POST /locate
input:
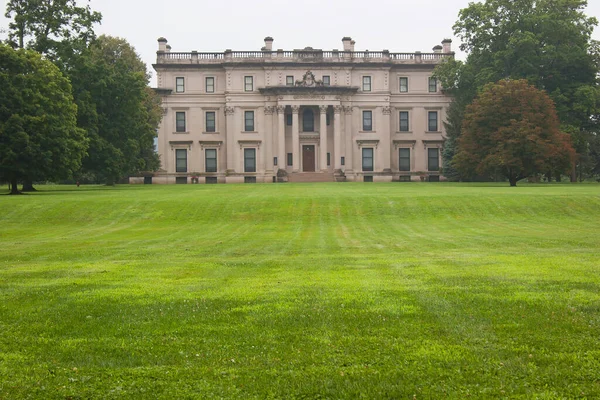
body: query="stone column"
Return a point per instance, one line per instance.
(337, 137)
(268, 145)
(295, 139)
(323, 138)
(230, 138)
(281, 157)
(348, 133)
(386, 140)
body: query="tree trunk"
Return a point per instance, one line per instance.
(513, 180)
(14, 189)
(28, 186)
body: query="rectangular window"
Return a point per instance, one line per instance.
(368, 178)
(210, 84)
(288, 119)
(433, 159)
(180, 160)
(248, 83)
(249, 179)
(326, 80)
(432, 121)
(328, 159)
(327, 119)
(179, 85)
(210, 121)
(432, 85)
(210, 156)
(366, 84)
(343, 160)
(249, 160)
(367, 120)
(181, 180)
(404, 160)
(180, 121)
(403, 127)
(249, 121)
(289, 80)
(367, 159)
(403, 84)
(211, 180)
(275, 161)
(290, 159)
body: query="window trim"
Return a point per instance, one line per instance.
(177, 84)
(249, 82)
(400, 84)
(206, 84)
(216, 167)
(370, 80)
(177, 129)
(214, 122)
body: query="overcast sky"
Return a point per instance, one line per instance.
(216, 25)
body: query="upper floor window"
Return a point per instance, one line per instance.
(433, 159)
(179, 84)
(326, 80)
(432, 121)
(248, 83)
(249, 121)
(403, 84)
(210, 84)
(403, 127)
(211, 121)
(308, 120)
(289, 119)
(210, 156)
(180, 160)
(180, 121)
(367, 120)
(432, 85)
(366, 86)
(289, 80)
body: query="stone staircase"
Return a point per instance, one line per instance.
(311, 177)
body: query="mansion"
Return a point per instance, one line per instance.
(299, 115)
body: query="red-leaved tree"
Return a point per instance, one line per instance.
(512, 129)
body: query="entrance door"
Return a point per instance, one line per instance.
(308, 158)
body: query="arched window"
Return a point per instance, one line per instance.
(308, 120)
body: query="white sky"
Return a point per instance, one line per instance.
(216, 25)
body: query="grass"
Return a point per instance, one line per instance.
(301, 291)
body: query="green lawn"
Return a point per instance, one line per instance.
(352, 290)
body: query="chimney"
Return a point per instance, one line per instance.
(168, 48)
(162, 44)
(346, 41)
(352, 43)
(447, 44)
(437, 49)
(268, 43)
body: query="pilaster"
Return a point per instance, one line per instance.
(295, 139)
(323, 138)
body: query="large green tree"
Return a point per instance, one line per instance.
(512, 129)
(547, 42)
(117, 108)
(39, 136)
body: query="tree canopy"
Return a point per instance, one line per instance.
(38, 126)
(512, 129)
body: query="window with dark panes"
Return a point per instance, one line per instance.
(288, 119)
(249, 160)
(180, 121)
(366, 84)
(433, 159)
(403, 84)
(290, 159)
(326, 80)
(404, 159)
(210, 84)
(367, 120)
(211, 160)
(179, 84)
(432, 121)
(404, 121)
(249, 121)
(308, 120)
(289, 80)
(180, 160)
(210, 121)
(367, 159)
(432, 85)
(248, 83)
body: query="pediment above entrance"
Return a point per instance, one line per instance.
(309, 92)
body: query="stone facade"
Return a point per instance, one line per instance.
(275, 115)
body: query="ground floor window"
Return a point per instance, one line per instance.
(404, 160)
(249, 179)
(180, 160)
(367, 159)
(368, 178)
(433, 159)
(181, 180)
(211, 160)
(249, 160)
(290, 159)
(211, 179)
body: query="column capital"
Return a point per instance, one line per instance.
(347, 110)
(387, 110)
(280, 109)
(323, 109)
(337, 109)
(295, 109)
(269, 110)
(229, 110)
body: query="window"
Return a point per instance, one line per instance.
(326, 80)
(432, 118)
(289, 80)
(433, 160)
(249, 121)
(180, 160)
(290, 159)
(434, 178)
(404, 178)
(403, 84)
(210, 156)
(343, 160)
(367, 159)
(403, 127)
(210, 121)
(368, 178)
(308, 120)
(327, 119)
(404, 160)
(180, 121)
(211, 180)
(328, 159)
(432, 85)
(249, 179)
(181, 180)
(275, 161)
(210, 84)
(366, 84)
(288, 119)
(248, 83)
(179, 85)
(367, 120)
(249, 160)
